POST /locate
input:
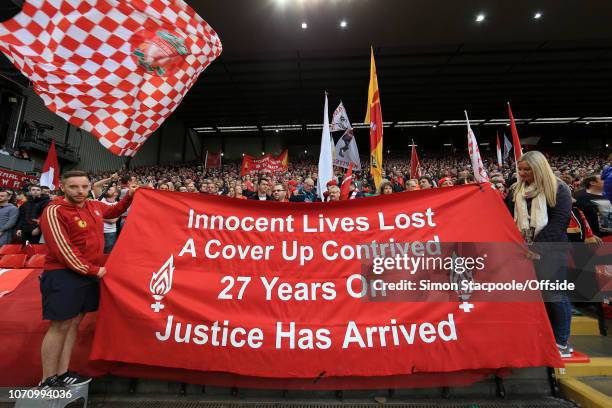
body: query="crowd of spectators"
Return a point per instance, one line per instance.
(582, 172)
(437, 171)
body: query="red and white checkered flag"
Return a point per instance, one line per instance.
(114, 68)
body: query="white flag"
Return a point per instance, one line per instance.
(347, 152)
(507, 147)
(326, 168)
(480, 173)
(340, 120)
(500, 162)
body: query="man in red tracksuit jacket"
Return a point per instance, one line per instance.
(73, 228)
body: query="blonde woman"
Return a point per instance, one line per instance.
(541, 205)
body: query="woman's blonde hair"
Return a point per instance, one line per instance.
(383, 184)
(543, 177)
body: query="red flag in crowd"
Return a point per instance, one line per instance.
(213, 160)
(415, 164)
(116, 69)
(499, 152)
(51, 170)
(518, 150)
(345, 189)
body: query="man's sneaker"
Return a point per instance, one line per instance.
(564, 351)
(72, 379)
(51, 382)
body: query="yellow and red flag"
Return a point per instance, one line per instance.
(374, 118)
(284, 158)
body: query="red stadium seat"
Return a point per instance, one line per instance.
(36, 261)
(10, 249)
(35, 249)
(13, 261)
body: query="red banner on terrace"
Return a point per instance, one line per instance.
(14, 179)
(267, 162)
(276, 290)
(212, 160)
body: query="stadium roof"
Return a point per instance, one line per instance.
(434, 60)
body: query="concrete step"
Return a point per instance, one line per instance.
(598, 366)
(602, 384)
(435, 403)
(584, 394)
(527, 381)
(584, 326)
(593, 346)
(455, 403)
(182, 402)
(525, 388)
(589, 384)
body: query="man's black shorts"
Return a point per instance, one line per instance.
(66, 293)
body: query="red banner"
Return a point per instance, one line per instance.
(22, 332)
(212, 160)
(281, 294)
(14, 180)
(267, 162)
(11, 278)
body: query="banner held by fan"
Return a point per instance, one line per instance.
(116, 69)
(268, 163)
(289, 290)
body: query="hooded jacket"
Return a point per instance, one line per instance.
(75, 236)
